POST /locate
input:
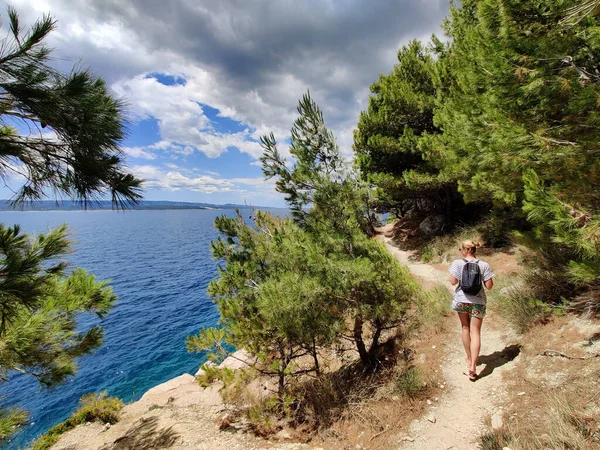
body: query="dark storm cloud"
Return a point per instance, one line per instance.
(270, 49)
(250, 38)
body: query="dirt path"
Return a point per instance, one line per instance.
(457, 419)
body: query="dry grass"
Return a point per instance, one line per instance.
(553, 401)
(517, 304)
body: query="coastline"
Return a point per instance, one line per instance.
(156, 417)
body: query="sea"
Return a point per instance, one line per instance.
(159, 264)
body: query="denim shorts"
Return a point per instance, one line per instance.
(473, 309)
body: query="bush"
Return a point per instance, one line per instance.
(10, 420)
(427, 254)
(94, 408)
(496, 230)
(522, 309)
(409, 383)
(432, 306)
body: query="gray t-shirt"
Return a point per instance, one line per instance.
(456, 271)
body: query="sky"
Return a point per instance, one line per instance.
(203, 80)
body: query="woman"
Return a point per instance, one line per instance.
(470, 307)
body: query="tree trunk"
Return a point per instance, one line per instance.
(358, 338)
(283, 363)
(375, 342)
(281, 386)
(314, 353)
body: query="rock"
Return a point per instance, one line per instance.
(201, 372)
(505, 448)
(169, 386)
(497, 421)
(433, 225)
(238, 360)
(283, 435)
(521, 393)
(106, 427)
(408, 439)
(429, 402)
(431, 418)
(395, 398)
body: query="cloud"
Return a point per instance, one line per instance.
(138, 152)
(250, 60)
(183, 126)
(175, 179)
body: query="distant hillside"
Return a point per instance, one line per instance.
(49, 205)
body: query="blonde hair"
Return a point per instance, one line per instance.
(470, 245)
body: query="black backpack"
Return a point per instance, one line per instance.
(470, 280)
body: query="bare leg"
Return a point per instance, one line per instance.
(476, 324)
(465, 322)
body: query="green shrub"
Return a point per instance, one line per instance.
(94, 408)
(427, 254)
(409, 383)
(522, 309)
(432, 306)
(497, 229)
(10, 420)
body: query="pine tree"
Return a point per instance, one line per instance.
(71, 150)
(520, 116)
(39, 304)
(523, 96)
(289, 288)
(374, 289)
(395, 140)
(75, 126)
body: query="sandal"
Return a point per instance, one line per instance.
(473, 375)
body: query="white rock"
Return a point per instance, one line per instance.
(408, 439)
(497, 421)
(283, 435)
(521, 393)
(169, 385)
(429, 402)
(431, 418)
(237, 360)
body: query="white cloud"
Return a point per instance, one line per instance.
(175, 180)
(138, 152)
(183, 126)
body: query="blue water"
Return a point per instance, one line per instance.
(160, 265)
